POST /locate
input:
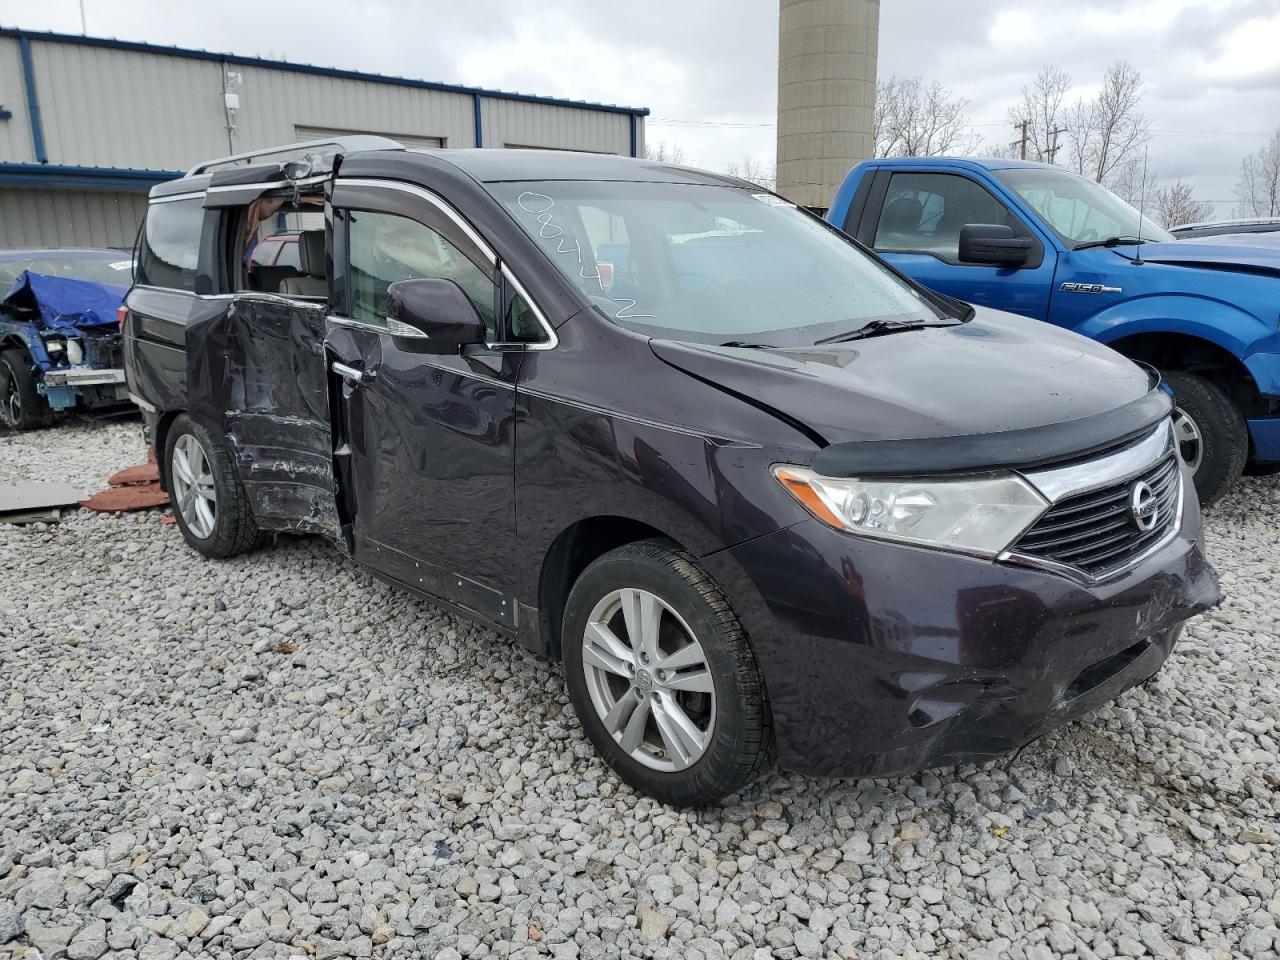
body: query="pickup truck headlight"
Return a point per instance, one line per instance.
(981, 515)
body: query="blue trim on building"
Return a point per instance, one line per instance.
(161, 50)
(633, 135)
(475, 102)
(52, 176)
(33, 105)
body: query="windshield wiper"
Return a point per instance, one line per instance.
(1110, 242)
(748, 346)
(877, 327)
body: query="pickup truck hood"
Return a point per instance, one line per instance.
(996, 373)
(1225, 253)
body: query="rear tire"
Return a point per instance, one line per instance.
(690, 723)
(209, 502)
(1206, 416)
(21, 405)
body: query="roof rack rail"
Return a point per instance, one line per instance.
(347, 144)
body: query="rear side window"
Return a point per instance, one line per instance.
(169, 250)
(923, 213)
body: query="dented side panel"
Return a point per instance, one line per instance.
(257, 372)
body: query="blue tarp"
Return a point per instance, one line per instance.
(63, 303)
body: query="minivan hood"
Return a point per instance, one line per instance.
(996, 373)
(1226, 253)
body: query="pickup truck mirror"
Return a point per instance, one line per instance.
(432, 316)
(993, 244)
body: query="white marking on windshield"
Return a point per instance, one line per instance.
(539, 206)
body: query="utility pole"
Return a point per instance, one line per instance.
(1021, 144)
(1053, 144)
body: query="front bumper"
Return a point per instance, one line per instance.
(881, 659)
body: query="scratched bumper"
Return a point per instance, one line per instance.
(881, 659)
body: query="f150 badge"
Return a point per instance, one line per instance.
(1090, 288)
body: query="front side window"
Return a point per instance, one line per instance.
(169, 250)
(923, 213)
(384, 248)
(708, 262)
(1077, 209)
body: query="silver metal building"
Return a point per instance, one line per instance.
(827, 51)
(88, 125)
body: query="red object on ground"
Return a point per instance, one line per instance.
(134, 496)
(133, 488)
(144, 473)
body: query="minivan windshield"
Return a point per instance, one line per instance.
(711, 263)
(1079, 210)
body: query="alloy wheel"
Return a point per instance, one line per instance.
(1188, 439)
(649, 680)
(193, 486)
(13, 399)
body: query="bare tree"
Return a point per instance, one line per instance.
(1259, 186)
(664, 153)
(1041, 110)
(754, 171)
(1173, 205)
(915, 119)
(1109, 131)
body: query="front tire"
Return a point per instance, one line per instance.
(210, 504)
(662, 677)
(1210, 432)
(21, 405)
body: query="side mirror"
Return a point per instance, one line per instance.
(432, 316)
(993, 244)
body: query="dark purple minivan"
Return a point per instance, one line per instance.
(760, 493)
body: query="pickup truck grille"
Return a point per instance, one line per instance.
(1096, 533)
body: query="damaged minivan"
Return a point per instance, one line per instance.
(757, 491)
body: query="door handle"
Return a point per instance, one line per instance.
(350, 374)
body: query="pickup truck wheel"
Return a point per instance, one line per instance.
(210, 504)
(21, 406)
(1210, 433)
(661, 676)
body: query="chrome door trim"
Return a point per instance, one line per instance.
(460, 222)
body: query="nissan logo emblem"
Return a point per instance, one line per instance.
(1143, 509)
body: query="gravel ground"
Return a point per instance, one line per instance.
(279, 756)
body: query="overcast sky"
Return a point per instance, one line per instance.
(707, 68)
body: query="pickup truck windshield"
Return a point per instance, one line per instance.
(709, 263)
(1078, 210)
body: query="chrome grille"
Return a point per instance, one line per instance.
(1095, 532)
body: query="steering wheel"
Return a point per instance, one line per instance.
(1087, 236)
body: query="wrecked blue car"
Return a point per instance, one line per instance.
(60, 347)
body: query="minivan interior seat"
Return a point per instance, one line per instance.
(311, 262)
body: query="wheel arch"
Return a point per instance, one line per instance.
(161, 440)
(574, 549)
(1190, 353)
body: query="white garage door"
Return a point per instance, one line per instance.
(410, 142)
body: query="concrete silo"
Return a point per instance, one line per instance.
(826, 94)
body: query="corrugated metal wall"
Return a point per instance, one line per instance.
(15, 133)
(69, 218)
(113, 108)
(149, 109)
(510, 123)
(104, 107)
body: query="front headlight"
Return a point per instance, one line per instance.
(981, 515)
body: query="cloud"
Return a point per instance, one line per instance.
(711, 64)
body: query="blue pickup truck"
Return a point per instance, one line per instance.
(1036, 240)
